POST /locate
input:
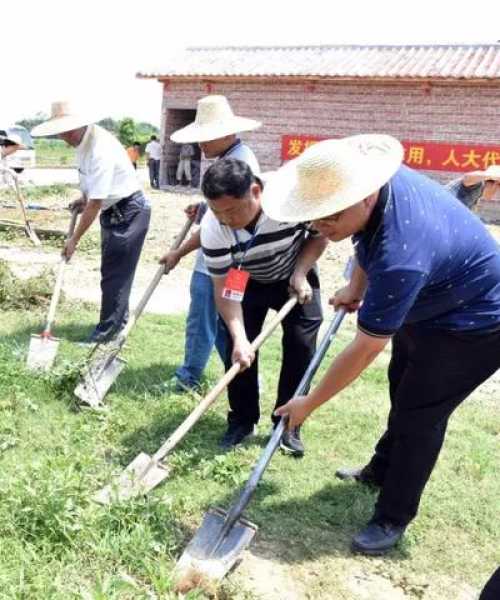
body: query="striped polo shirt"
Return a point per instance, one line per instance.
(269, 252)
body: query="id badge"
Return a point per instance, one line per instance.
(235, 284)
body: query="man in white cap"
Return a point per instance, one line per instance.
(476, 186)
(427, 277)
(215, 128)
(109, 186)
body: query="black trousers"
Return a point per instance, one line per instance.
(123, 231)
(300, 331)
(491, 590)
(430, 374)
(154, 173)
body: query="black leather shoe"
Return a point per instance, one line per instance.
(377, 538)
(236, 434)
(291, 443)
(363, 475)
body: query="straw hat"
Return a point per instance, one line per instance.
(492, 172)
(14, 139)
(62, 119)
(331, 176)
(214, 119)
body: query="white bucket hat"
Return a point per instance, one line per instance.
(331, 176)
(15, 139)
(214, 119)
(62, 119)
(492, 172)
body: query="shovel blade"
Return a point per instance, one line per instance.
(42, 352)
(95, 384)
(138, 478)
(205, 561)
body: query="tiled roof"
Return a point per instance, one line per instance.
(408, 62)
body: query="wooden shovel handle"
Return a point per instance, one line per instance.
(58, 285)
(162, 270)
(203, 406)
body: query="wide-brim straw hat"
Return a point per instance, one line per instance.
(63, 118)
(491, 173)
(214, 120)
(14, 139)
(331, 176)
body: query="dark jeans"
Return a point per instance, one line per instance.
(123, 231)
(300, 330)
(491, 590)
(430, 374)
(154, 173)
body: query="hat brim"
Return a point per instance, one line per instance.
(195, 133)
(60, 125)
(283, 200)
(477, 176)
(16, 143)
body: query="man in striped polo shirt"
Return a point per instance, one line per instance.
(279, 258)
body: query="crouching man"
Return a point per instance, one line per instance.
(277, 258)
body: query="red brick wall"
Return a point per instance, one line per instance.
(460, 112)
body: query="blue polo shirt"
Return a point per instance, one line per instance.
(429, 261)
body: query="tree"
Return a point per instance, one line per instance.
(127, 131)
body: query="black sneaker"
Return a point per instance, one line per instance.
(291, 442)
(363, 475)
(377, 538)
(236, 434)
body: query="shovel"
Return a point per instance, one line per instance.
(27, 227)
(146, 472)
(102, 372)
(223, 535)
(43, 347)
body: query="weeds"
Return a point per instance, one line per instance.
(18, 293)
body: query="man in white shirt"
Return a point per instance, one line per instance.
(153, 156)
(109, 186)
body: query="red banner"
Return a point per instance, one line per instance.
(429, 156)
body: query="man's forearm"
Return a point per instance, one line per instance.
(359, 280)
(193, 243)
(347, 367)
(230, 311)
(311, 251)
(88, 217)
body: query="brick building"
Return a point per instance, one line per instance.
(442, 102)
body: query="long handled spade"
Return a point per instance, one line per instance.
(43, 347)
(146, 472)
(223, 535)
(28, 228)
(103, 370)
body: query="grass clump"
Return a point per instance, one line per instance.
(18, 293)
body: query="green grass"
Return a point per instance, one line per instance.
(54, 153)
(55, 543)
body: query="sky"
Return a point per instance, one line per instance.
(88, 52)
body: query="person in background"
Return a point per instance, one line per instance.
(184, 167)
(109, 187)
(476, 186)
(215, 128)
(134, 153)
(427, 278)
(9, 144)
(153, 157)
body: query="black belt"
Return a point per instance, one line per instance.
(122, 203)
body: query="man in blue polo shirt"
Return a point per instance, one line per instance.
(427, 276)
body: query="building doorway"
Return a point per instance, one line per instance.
(175, 119)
